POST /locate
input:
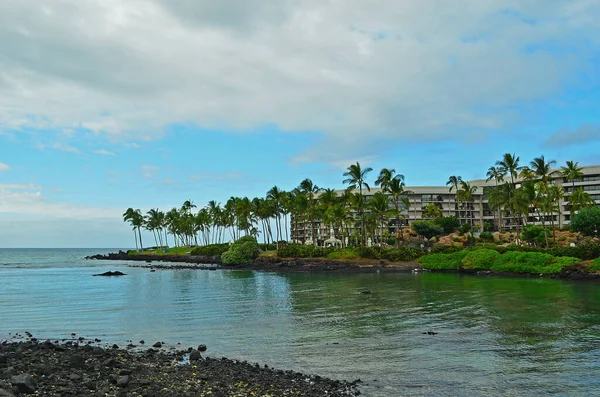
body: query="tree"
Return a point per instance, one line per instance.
(276, 195)
(497, 174)
(579, 199)
(379, 207)
(427, 229)
(465, 195)
(509, 165)
(355, 177)
(454, 183)
(448, 223)
(310, 190)
(136, 219)
(571, 172)
(386, 176)
(586, 221)
(432, 211)
(396, 190)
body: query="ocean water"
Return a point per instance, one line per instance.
(495, 336)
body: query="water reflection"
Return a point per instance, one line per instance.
(496, 336)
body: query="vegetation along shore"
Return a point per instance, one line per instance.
(369, 231)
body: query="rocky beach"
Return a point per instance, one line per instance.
(83, 368)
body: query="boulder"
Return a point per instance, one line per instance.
(24, 383)
(110, 274)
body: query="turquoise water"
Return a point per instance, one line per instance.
(496, 336)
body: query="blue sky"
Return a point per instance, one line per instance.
(147, 103)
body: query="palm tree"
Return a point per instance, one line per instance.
(379, 206)
(572, 172)
(310, 190)
(136, 219)
(355, 177)
(465, 193)
(497, 175)
(542, 169)
(454, 183)
(509, 165)
(386, 176)
(277, 195)
(580, 199)
(396, 190)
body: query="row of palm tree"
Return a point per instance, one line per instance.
(518, 191)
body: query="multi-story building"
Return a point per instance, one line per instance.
(478, 212)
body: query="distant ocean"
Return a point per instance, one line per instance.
(495, 336)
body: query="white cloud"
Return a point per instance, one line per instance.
(584, 134)
(358, 71)
(4, 167)
(19, 200)
(104, 152)
(65, 148)
(148, 171)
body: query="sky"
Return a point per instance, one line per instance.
(110, 104)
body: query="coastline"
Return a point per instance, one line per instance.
(75, 367)
(320, 265)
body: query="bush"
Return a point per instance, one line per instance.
(427, 229)
(242, 252)
(595, 265)
(535, 234)
(210, 250)
(402, 254)
(486, 236)
(442, 261)
(448, 223)
(370, 252)
(531, 262)
(586, 221)
(347, 253)
(303, 251)
(466, 228)
(391, 241)
(480, 259)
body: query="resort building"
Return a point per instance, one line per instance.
(477, 212)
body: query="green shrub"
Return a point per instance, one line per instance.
(535, 234)
(479, 259)
(442, 261)
(531, 262)
(586, 221)
(486, 236)
(391, 241)
(370, 253)
(464, 228)
(347, 253)
(402, 254)
(448, 223)
(210, 250)
(447, 249)
(427, 229)
(242, 252)
(303, 251)
(595, 265)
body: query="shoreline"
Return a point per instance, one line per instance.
(75, 367)
(320, 265)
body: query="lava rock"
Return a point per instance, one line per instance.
(24, 383)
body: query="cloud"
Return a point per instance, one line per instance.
(358, 73)
(104, 152)
(19, 200)
(563, 137)
(4, 167)
(148, 171)
(65, 148)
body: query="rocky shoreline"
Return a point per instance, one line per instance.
(265, 263)
(75, 368)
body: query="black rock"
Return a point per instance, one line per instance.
(24, 383)
(157, 345)
(6, 393)
(202, 348)
(109, 274)
(366, 292)
(195, 355)
(123, 381)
